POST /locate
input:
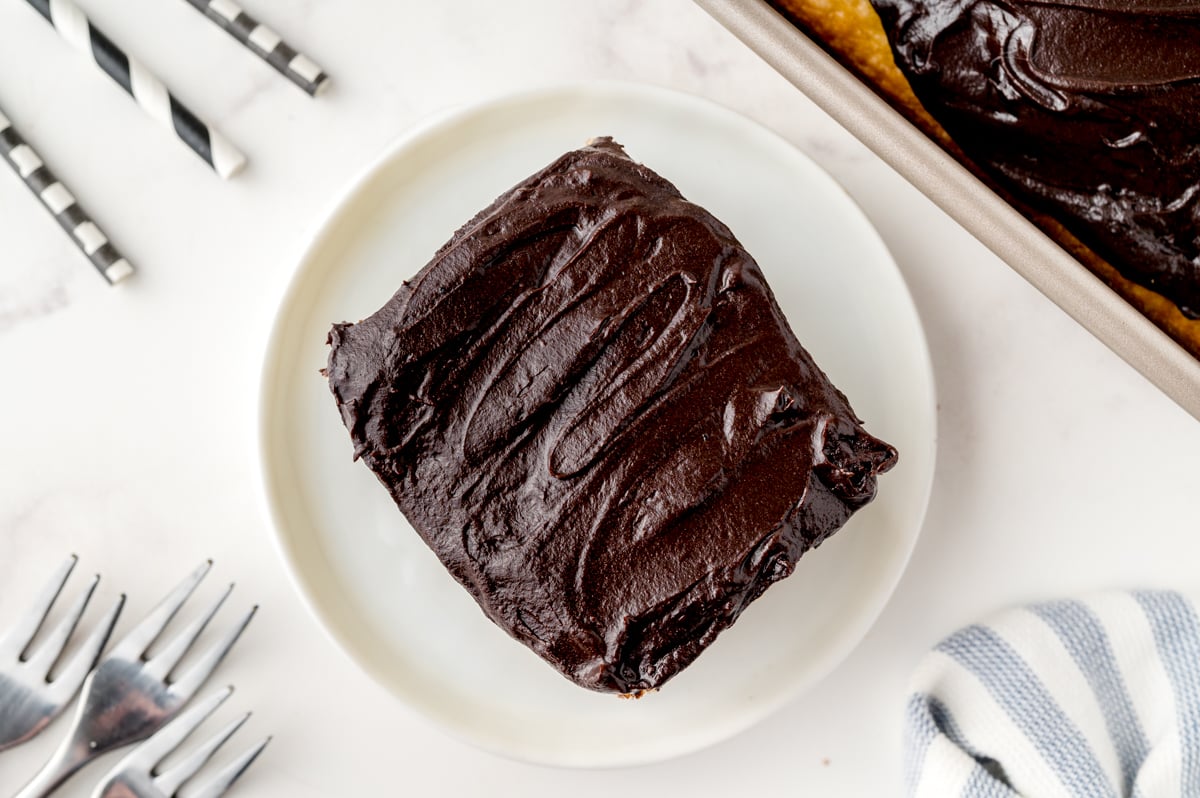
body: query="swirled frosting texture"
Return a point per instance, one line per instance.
(590, 407)
(1085, 109)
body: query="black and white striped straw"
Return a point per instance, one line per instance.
(61, 203)
(149, 92)
(266, 43)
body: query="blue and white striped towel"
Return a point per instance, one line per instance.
(1093, 697)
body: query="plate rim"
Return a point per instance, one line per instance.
(270, 356)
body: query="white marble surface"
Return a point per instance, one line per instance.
(127, 415)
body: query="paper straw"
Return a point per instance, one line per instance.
(149, 92)
(265, 43)
(61, 203)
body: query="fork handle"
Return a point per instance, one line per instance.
(70, 757)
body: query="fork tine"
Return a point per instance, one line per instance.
(135, 643)
(50, 650)
(187, 684)
(158, 747)
(16, 642)
(161, 664)
(171, 780)
(219, 784)
(68, 680)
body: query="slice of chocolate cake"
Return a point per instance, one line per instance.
(591, 408)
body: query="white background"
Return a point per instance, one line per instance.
(127, 415)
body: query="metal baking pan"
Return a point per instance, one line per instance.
(1034, 255)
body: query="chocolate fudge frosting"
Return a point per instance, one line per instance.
(591, 408)
(1085, 109)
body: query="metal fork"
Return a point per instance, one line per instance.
(130, 696)
(29, 698)
(138, 775)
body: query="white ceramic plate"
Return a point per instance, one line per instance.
(382, 594)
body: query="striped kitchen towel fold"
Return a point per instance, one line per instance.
(1092, 697)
